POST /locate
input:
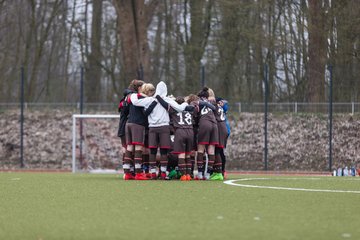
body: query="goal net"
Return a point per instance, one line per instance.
(96, 148)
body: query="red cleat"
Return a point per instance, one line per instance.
(128, 176)
(186, 177)
(197, 178)
(163, 176)
(153, 176)
(183, 178)
(141, 176)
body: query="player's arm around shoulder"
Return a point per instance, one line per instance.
(175, 105)
(141, 101)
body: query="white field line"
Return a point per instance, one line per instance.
(232, 183)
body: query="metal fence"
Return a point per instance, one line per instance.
(297, 107)
(75, 106)
(239, 107)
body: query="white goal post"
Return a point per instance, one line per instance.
(76, 136)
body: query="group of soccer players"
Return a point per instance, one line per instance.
(183, 129)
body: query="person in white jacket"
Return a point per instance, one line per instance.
(159, 126)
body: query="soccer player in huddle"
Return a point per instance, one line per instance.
(135, 134)
(223, 104)
(124, 109)
(208, 135)
(193, 100)
(222, 133)
(183, 136)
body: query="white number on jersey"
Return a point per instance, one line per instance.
(187, 118)
(221, 113)
(205, 110)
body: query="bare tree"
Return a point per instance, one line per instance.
(195, 39)
(134, 18)
(316, 51)
(344, 51)
(93, 66)
(229, 45)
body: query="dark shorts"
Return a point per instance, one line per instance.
(135, 134)
(184, 138)
(208, 133)
(159, 137)
(223, 136)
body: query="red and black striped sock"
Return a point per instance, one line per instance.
(192, 162)
(182, 166)
(211, 163)
(200, 162)
(152, 163)
(163, 163)
(145, 159)
(138, 161)
(188, 166)
(217, 164)
(127, 161)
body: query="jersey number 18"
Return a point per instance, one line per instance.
(187, 118)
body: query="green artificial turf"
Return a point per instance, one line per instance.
(89, 206)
